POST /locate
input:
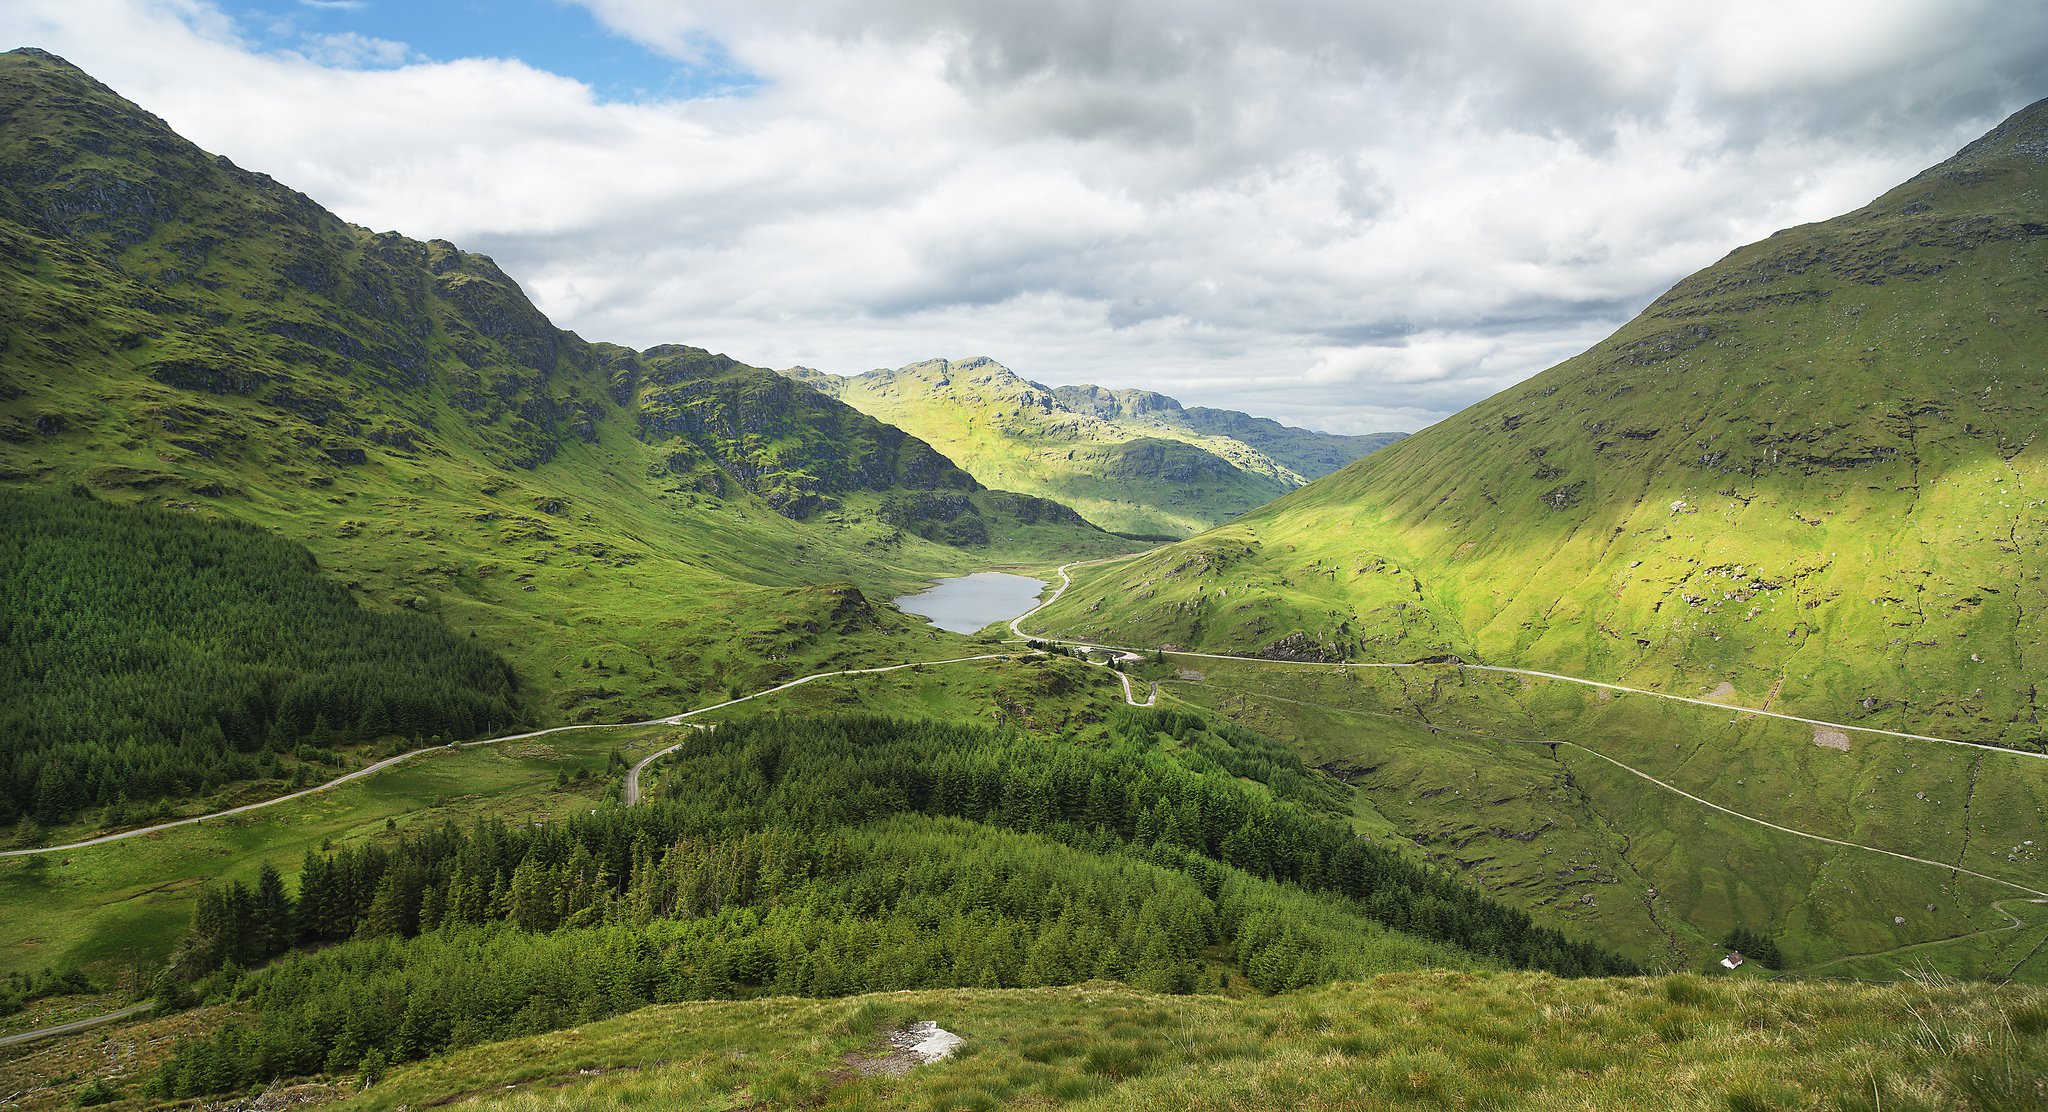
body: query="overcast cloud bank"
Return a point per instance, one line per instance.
(1353, 216)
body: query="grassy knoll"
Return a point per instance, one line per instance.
(1399, 1041)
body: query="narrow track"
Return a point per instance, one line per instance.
(1017, 628)
(371, 769)
(1067, 581)
(76, 1024)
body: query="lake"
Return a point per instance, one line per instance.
(970, 602)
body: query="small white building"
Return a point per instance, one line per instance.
(1732, 961)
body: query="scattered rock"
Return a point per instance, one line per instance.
(1831, 739)
(910, 1046)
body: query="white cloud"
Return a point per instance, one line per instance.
(1336, 212)
(349, 50)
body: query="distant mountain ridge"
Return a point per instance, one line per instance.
(1130, 460)
(1309, 453)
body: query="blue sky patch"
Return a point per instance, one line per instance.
(551, 35)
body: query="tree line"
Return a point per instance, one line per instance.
(826, 857)
(146, 654)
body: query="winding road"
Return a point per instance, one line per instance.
(1016, 627)
(1067, 581)
(632, 793)
(76, 1024)
(367, 770)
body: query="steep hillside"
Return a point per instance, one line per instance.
(630, 529)
(1129, 460)
(1810, 475)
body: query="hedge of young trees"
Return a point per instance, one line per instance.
(834, 856)
(146, 653)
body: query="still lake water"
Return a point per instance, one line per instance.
(970, 602)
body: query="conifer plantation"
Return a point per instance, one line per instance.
(831, 856)
(147, 653)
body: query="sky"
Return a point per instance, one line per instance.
(1352, 215)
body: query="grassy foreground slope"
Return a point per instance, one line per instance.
(1129, 460)
(1407, 1040)
(1811, 474)
(1400, 1041)
(629, 529)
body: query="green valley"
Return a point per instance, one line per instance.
(408, 703)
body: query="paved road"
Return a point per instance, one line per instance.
(1066, 581)
(631, 795)
(632, 792)
(76, 1024)
(367, 770)
(1150, 698)
(1017, 628)
(2016, 924)
(1788, 830)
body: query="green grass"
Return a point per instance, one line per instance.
(1441, 757)
(1398, 1041)
(119, 908)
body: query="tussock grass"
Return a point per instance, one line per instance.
(1410, 1040)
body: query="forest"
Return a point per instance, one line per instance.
(830, 856)
(147, 653)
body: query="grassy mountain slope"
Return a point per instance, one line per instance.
(1812, 472)
(1806, 479)
(1407, 1040)
(190, 334)
(1129, 460)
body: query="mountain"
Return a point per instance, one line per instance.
(1808, 475)
(186, 333)
(1128, 460)
(1306, 452)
